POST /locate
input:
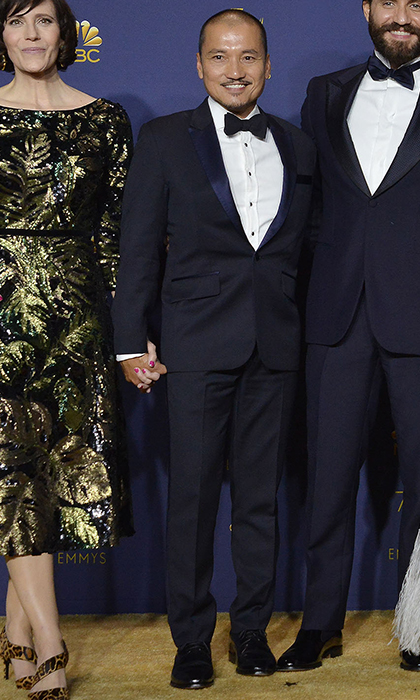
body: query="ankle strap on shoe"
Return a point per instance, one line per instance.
(55, 663)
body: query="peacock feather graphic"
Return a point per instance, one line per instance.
(90, 35)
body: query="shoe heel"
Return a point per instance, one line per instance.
(10, 651)
(334, 652)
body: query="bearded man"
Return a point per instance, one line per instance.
(363, 306)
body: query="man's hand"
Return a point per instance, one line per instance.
(144, 371)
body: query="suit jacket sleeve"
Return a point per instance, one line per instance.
(305, 113)
(142, 247)
(314, 220)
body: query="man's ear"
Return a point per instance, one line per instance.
(199, 67)
(366, 10)
(268, 67)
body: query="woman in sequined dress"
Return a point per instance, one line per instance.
(63, 161)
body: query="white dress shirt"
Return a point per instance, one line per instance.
(378, 120)
(255, 173)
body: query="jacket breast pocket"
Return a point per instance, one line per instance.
(288, 284)
(193, 287)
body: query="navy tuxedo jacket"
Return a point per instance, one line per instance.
(182, 241)
(364, 241)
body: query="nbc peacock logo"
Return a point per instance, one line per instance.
(89, 41)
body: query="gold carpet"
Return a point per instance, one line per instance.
(129, 657)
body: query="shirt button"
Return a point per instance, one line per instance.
(250, 204)
(246, 145)
(250, 174)
(252, 234)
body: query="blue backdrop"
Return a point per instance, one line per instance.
(141, 53)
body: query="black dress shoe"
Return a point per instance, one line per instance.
(409, 661)
(193, 667)
(310, 647)
(251, 654)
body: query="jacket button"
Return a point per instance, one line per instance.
(257, 256)
(373, 203)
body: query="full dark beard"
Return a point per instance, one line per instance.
(396, 52)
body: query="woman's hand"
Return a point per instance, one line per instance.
(144, 371)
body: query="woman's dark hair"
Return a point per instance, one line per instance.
(66, 22)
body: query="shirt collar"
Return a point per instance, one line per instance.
(387, 63)
(218, 113)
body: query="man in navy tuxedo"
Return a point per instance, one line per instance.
(215, 207)
(363, 306)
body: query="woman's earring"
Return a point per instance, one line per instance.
(60, 63)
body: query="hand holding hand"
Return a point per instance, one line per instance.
(144, 371)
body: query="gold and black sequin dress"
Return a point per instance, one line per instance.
(62, 478)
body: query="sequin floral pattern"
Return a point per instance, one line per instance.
(62, 477)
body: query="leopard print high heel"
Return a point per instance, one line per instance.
(9, 651)
(55, 663)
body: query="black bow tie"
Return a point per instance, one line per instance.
(403, 75)
(257, 125)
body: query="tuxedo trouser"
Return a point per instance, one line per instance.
(242, 414)
(340, 380)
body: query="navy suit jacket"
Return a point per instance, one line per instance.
(182, 242)
(364, 241)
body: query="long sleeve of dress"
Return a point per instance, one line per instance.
(120, 149)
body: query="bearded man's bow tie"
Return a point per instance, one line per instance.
(403, 75)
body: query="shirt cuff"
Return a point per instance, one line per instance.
(120, 358)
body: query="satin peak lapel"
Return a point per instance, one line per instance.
(207, 145)
(284, 143)
(340, 96)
